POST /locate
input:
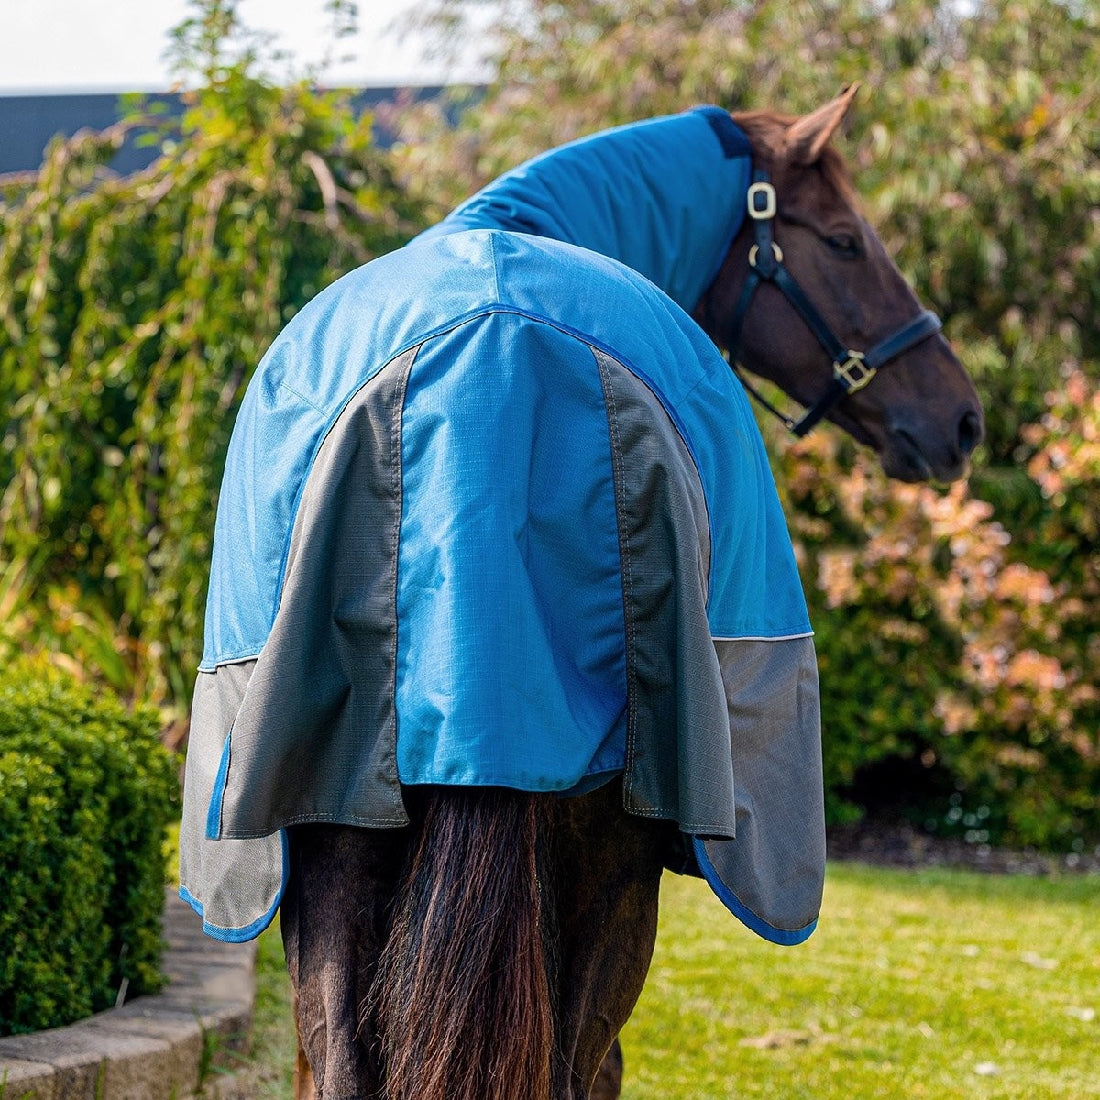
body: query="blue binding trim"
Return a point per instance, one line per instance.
(783, 936)
(214, 812)
(249, 931)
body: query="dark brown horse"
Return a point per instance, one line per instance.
(494, 947)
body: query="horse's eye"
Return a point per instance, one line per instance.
(845, 246)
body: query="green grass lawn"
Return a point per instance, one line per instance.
(916, 984)
(929, 984)
(267, 1074)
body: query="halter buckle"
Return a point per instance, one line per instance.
(854, 372)
(777, 252)
(761, 210)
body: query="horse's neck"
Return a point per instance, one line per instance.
(664, 197)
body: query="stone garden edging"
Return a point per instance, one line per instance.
(170, 1046)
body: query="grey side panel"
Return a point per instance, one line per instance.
(315, 739)
(678, 745)
(236, 884)
(776, 866)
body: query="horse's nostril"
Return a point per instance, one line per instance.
(970, 432)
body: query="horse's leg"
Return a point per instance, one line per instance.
(606, 868)
(333, 919)
(609, 1080)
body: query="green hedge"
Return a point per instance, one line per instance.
(958, 658)
(86, 791)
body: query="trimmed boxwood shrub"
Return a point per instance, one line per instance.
(86, 791)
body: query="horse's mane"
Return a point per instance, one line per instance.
(765, 130)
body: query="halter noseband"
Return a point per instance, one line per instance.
(852, 370)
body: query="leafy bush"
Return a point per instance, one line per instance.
(950, 645)
(86, 791)
(1031, 670)
(956, 631)
(132, 313)
(974, 140)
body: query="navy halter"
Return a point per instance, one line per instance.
(852, 370)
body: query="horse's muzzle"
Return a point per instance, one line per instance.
(911, 455)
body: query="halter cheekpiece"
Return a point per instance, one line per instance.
(852, 370)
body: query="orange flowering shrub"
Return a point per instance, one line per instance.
(950, 645)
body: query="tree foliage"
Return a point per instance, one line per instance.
(132, 312)
(956, 629)
(975, 141)
(946, 661)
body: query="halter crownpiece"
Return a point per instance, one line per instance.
(852, 370)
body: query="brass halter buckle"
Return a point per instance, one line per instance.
(854, 372)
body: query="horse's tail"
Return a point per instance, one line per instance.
(463, 992)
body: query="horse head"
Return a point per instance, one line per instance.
(910, 399)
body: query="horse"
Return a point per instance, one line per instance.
(490, 941)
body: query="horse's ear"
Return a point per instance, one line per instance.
(809, 135)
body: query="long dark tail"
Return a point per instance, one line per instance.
(462, 994)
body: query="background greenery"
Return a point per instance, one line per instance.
(86, 790)
(956, 627)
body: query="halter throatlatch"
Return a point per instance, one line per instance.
(852, 370)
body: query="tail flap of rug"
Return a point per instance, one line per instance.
(772, 875)
(234, 885)
(782, 908)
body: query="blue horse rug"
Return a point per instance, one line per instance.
(495, 512)
(665, 196)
